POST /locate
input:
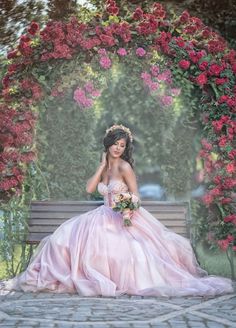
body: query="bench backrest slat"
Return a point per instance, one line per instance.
(46, 216)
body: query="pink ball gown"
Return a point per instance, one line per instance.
(95, 254)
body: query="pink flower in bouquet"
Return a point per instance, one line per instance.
(125, 203)
(134, 198)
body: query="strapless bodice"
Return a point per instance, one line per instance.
(113, 187)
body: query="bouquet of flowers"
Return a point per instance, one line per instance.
(125, 203)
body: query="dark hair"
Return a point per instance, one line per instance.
(112, 136)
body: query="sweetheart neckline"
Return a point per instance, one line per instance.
(113, 180)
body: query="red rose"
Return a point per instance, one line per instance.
(216, 46)
(12, 54)
(201, 79)
(113, 10)
(203, 65)
(24, 38)
(12, 68)
(138, 14)
(223, 141)
(217, 125)
(223, 244)
(234, 68)
(230, 238)
(184, 64)
(223, 99)
(206, 33)
(221, 81)
(206, 144)
(109, 40)
(226, 200)
(34, 27)
(179, 41)
(203, 153)
(207, 199)
(158, 10)
(230, 168)
(217, 179)
(232, 154)
(230, 218)
(229, 183)
(215, 191)
(6, 81)
(215, 69)
(231, 102)
(184, 17)
(193, 56)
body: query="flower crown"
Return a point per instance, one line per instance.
(122, 127)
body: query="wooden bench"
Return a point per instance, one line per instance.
(46, 216)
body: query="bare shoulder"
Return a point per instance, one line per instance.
(125, 166)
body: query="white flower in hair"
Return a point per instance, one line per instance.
(122, 127)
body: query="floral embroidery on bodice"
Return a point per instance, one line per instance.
(113, 187)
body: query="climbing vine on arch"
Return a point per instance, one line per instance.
(164, 47)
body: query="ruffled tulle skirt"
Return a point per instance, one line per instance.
(94, 254)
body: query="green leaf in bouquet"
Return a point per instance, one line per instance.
(127, 223)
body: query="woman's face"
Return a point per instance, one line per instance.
(118, 148)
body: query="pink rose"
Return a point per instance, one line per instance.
(166, 100)
(154, 70)
(138, 14)
(184, 64)
(203, 65)
(201, 79)
(135, 198)
(230, 168)
(105, 62)
(223, 244)
(175, 92)
(122, 52)
(140, 52)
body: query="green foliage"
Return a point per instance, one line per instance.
(68, 154)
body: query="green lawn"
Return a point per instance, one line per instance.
(214, 262)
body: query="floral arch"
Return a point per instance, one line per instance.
(185, 46)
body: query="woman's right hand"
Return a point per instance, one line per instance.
(104, 160)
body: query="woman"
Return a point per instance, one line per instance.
(95, 254)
